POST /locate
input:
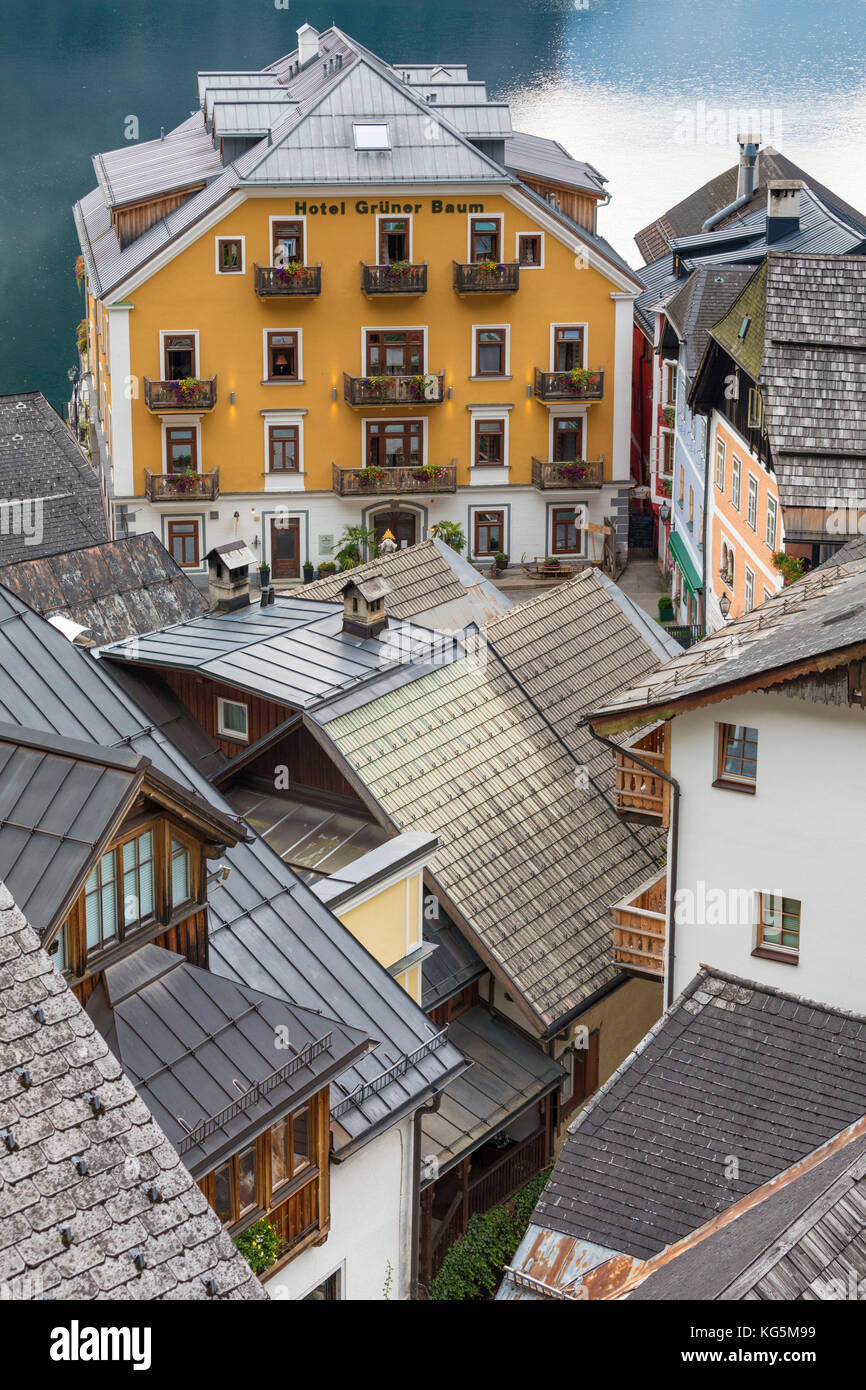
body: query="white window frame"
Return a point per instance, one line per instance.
(568, 323)
(736, 482)
(227, 236)
(583, 536)
(530, 232)
(284, 217)
(476, 327)
(492, 412)
(197, 519)
(178, 333)
(752, 502)
(183, 422)
(670, 371)
(772, 511)
(721, 449)
(392, 217)
(371, 125)
(749, 590)
(282, 380)
(487, 217)
(233, 733)
(283, 481)
(394, 328)
(562, 412)
(494, 506)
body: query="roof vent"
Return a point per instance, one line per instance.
(744, 328)
(783, 208)
(308, 44)
(228, 575)
(364, 613)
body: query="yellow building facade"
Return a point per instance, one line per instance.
(428, 338)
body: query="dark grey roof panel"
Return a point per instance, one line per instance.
(451, 966)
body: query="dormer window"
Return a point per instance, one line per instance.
(371, 136)
(119, 895)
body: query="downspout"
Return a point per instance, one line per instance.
(675, 822)
(431, 1108)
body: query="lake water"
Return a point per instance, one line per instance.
(649, 91)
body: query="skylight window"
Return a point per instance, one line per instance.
(371, 136)
(744, 327)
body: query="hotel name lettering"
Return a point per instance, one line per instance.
(388, 209)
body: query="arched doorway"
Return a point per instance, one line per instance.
(402, 525)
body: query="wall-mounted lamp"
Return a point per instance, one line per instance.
(333, 393)
(725, 605)
(450, 393)
(529, 392)
(664, 512)
(232, 397)
(256, 516)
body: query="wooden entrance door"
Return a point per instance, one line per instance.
(286, 548)
(402, 525)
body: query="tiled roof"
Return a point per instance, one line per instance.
(688, 216)
(647, 1161)
(487, 754)
(820, 614)
(268, 930)
(40, 462)
(704, 298)
(105, 1209)
(113, 590)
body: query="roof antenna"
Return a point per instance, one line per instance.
(162, 132)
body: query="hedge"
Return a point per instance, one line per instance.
(473, 1267)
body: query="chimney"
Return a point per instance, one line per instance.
(783, 208)
(228, 575)
(364, 612)
(747, 174)
(308, 44)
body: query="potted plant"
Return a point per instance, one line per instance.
(264, 574)
(574, 472)
(81, 336)
(327, 567)
(451, 532)
(666, 608)
(791, 567)
(427, 473)
(185, 480)
(372, 475)
(668, 413)
(550, 565)
(309, 571)
(377, 387)
(79, 271)
(259, 1245)
(500, 559)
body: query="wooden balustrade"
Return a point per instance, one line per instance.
(394, 279)
(639, 930)
(638, 792)
(502, 278)
(580, 474)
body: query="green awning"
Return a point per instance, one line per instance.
(693, 580)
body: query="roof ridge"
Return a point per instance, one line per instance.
(778, 993)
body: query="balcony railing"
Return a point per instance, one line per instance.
(639, 930)
(189, 394)
(491, 1187)
(687, 634)
(581, 473)
(182, 487)
(427, 388)
(277, 281)
(399, 278)
(640, 793)
(578, 385)
(360, 482)
(485, 277)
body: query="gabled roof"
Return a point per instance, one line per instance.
(200, 1051)
(106, 1209)
(482, 752)
(704, 298)
(688, 216)
(43, 467)
(136, 172)
(814, 624)
(268, 930)
(645, 1163)
(548, 159)
(430, 582)
(112, 590)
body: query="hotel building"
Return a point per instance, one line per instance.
(346, 293)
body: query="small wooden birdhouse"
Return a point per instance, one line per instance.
(364, 612)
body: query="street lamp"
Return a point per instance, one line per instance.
(664, 512)
(725, 605)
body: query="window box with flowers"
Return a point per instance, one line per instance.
(259, 1245)
(429, 473)
(575, 472)
(372, 476)
(791, 567)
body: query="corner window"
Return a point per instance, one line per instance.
(371, 136)
(778, 928)
(232, 720)
(291, 1147)
(737, 757)
(230, 256)
(235, 1186)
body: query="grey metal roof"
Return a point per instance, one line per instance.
(42, 467)
(113, 590)
(482, 752)
(209, 82)
(707, 294)
(453, 964)
(58, 803)
(106, 1210)
(508, 1075)
(245, 118)
(548, 159)
(200, 1051)
(645, 1163)
(687, 217)
(802, 1240)
(822, 613)
(138, 171)
(291, 652)
(268, 930)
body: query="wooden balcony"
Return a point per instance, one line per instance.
(569, 386)
(639, 794)
(581, 474)
(397, 279)
(639, 930)
(294, 282)
(427, 388)
(182, 487)
(503, 278)
(361, 482)
(191, 394)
